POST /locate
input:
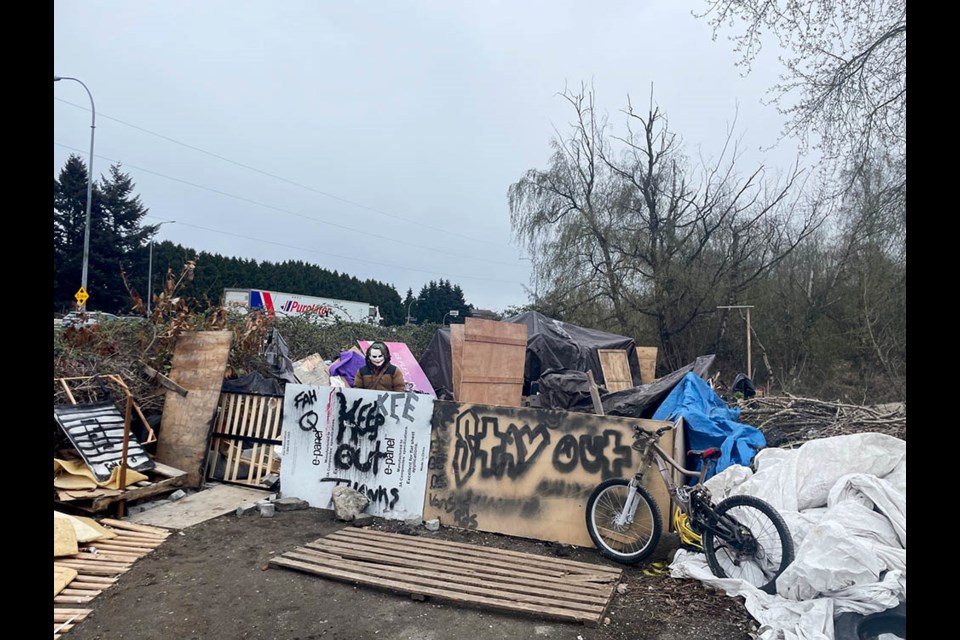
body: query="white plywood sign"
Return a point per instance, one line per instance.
(376, 442)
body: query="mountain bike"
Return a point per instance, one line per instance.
(743, 537)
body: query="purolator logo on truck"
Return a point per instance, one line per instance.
(292, 306)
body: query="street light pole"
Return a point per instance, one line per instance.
(413, 300)
(86, 232)
(150, 267)
(453, 314)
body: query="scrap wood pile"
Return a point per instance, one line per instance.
(789, 420)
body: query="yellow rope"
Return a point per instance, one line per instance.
(682, 527)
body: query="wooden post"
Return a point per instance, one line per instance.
(749, 350)
(594, 394)
(123, 456)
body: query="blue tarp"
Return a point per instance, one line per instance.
(711, 423)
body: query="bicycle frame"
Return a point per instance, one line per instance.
(695, 501)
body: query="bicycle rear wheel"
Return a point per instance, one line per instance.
(630, 541)
(763, 550)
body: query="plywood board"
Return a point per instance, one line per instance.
(616, 369)
(456, 356)
(376, 442)
(64, 537)
(528, 472)
(199, 507)
(311, 370)
(199, 362)
(61, 578)
(491, 365)
(647, 358)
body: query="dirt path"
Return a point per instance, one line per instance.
(213, 581)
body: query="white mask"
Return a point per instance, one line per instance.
(376, 357)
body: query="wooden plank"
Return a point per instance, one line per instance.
(256, 430)
(647, 358)
(273, 432)
(132, 526)
(62, 577)
(594, 394)
(456, 356)
(102, 502)
(462, 584)
(469, 550)
(199, 363)
(439, 594)
(616, 369)
(61, 614)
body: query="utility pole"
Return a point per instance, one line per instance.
(749, 350)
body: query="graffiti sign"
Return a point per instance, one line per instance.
(521, 471)
(376, 442)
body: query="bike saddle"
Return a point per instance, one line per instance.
(707, 454)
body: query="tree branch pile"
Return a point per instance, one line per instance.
(789, 421)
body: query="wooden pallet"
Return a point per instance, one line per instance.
(477, 576)
(98, 564)
(246, 429)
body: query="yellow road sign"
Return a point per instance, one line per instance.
(81, 295)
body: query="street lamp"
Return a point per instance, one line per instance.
(86, 232)
(408, 309)
(453, 314)
(150, 267)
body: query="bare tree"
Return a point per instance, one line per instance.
(625, 225)
(845, 63)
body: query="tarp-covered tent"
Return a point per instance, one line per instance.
(551, 345)
(554, 344)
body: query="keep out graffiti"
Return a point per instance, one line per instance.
(359, 423)
(488, 449)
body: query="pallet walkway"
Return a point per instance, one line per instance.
(477, 576)
(98, 564)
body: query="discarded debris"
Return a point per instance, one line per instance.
(788, 420)
(348, 503)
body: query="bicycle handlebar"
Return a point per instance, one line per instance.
(637, 430)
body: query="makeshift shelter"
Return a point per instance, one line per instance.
(554, 344)
(551, 345)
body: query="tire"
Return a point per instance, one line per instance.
(759, 566)
(630, 544)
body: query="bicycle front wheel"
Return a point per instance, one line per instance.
(625, 538)
(762, 548)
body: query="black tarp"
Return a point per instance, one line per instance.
(570, 391)
(437, 364)
(558, 345)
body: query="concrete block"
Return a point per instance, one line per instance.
(176, 495)
(247, 509)
(432, 525)
(290, 504)
(267, 510)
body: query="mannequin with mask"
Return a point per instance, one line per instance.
(378, 373)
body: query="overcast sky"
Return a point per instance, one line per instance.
(377, 138)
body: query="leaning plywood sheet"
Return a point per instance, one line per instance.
(199, 362)
(376, 442)
(62, 577)
(647, 357)
(96, 431)
(491, 365)
(616, 369)
(64, 537)
(528, 472)
(413, 375)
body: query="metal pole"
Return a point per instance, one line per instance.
(86, 232)
(749, 350)
(150, 279)
(408, 309)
